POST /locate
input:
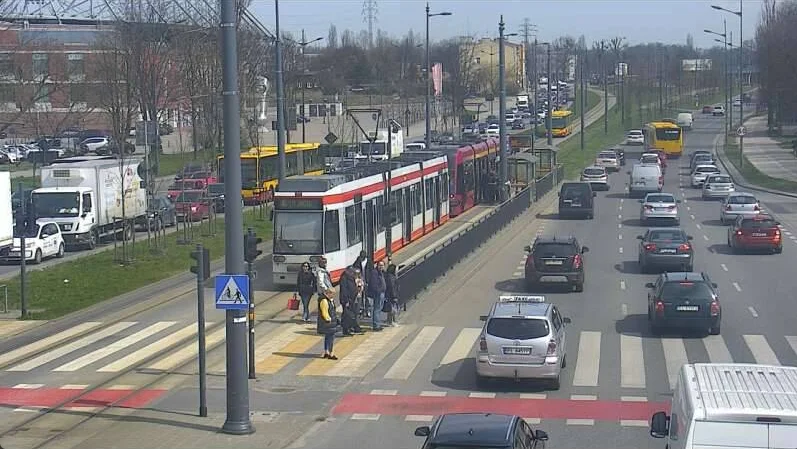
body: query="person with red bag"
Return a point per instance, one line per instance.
(305, 286)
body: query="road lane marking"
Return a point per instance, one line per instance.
(73, 387)
(622, 285)
(533, 396)
(481, 395)
(433, 394)
(366, 416)
(692, 216)
(633, 399)
(71, 347)
(580, 422)
(532, 421)
(633, 423)
(517, 274)
(367, 355)
(384, 392)
(787, 232)
(737, 287)
(688, 208)
(624, 310)
(122, 387)
(705, 237)
(46, 342)
(717, 349)
(632, 362)
(461, 347)
(188, 352)
(115, 347)
(28, 386)
(762, 352)
(343, 347)
(619, 217)
(674, 357)
(620, 236)
(619, 226)
(699, 226)
(620, 249)
(724, 267)
(419, 418)
(409, 359)
(685, 200)
(154, 348)
(583, 397)
(588, 361)
(753, 312)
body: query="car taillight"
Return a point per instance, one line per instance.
(684, 247)
(650, 247)
(659, 307)
(482, 344)
(551, 348)
(739, 232)
(715, 308)
(728, 207)
(671, 207)
(577, 261)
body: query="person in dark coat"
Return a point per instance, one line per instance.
(363, 264)
(391, 294)
(348, 299)
(376, 288)
(306, 286)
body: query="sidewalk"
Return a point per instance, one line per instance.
(765, 153)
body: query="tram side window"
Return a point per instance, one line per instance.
(353, 226)
(380, 205)
(429, 194)
(460, 179)
(417, 200)
(444, 186)
(397, 199)
(470, 182)
(291, 164)
(331, 231)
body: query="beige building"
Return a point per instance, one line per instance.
(485, 63)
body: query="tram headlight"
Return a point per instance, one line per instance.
(278, 259)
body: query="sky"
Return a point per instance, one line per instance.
(639, 21)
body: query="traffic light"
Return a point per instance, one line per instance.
(251, 240)
(202, 260)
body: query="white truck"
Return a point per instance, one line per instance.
(86, 199)
(378, 149)
(6, 214)
(522, 101)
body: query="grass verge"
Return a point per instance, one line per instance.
(98, 277)
(753, 176)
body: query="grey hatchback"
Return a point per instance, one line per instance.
(665, 247)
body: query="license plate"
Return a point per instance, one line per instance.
(687, 308)
(661, 209)
(759, 234)
(515, 350)
(554, 262)
(13, 253)
(575, 204)
(668, 251)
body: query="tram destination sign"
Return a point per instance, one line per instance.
(298, 204)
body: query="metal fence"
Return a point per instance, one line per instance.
(417, 276)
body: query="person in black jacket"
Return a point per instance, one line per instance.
(391, 294)
(306, 286)
(348, 299)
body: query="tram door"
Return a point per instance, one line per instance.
(438, 201)
(409, 206)
(369, 229)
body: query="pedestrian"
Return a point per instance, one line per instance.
(348, 299)
(363, 264)
(306, 282)
(324, 280)
(391, 294)
(376, 290)
(358, 281)
(327, 325)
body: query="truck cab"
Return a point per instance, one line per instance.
(71, 208)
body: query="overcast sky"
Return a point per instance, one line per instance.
(638, 21)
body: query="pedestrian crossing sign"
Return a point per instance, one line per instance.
(232, 292)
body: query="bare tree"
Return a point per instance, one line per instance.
(332, 37)
(776, 39)
(458, 58)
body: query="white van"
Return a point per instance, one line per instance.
(730, 406)
(684, 120)
(645, 178)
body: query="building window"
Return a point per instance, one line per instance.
(77, 94)
(42, 94)
(6, 65)
(41, 64)
(75, 67)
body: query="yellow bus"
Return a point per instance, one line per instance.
(561, 122)
(664, 136)
(259, 170)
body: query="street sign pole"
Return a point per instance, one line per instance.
(201, 275)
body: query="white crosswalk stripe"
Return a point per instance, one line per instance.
(397, 354)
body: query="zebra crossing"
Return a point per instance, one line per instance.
(397, 354)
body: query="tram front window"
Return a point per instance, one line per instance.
(298, 232)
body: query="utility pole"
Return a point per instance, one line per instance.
(304, 82)
(548, 123)
(534, 83)
(280, 98)
(428, 138)
(604, 47)
(583, 66)
(502, 110)
(237, 422)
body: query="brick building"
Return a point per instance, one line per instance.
(47, 78)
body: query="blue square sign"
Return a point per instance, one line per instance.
(232, 292)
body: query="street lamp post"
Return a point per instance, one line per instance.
(304, 43)
(548, 123)
(428, 137)
(739, 14)
(724, 41)
(502, 136)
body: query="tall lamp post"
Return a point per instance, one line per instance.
(428, 137)
(724, 42)
(502, 136)
(304, 43)
(741, 62)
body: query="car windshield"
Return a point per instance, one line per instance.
(31, 232)
(594, 171)
(766, 223)
(742, 200)
(724, 179)
(56, 204)
(297, 232)
(216, 189)
(660, 199)
(518, 328)
(666, 235)
(554, 250)
(703, 157)
(189, 197)
(686, 289)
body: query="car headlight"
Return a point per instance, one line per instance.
(30, 244)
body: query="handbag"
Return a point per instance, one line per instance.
(388, 306)
(293, 303)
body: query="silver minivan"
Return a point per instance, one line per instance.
(645, 178)
(523, 338)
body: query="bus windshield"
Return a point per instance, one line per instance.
(668, 134)
(559, 122)
(297, 232)
(375, 149)
(249, 173)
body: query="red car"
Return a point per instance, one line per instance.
(756, 232)
(708, 109)
(206, 178)
(183, 185)
(193, 205)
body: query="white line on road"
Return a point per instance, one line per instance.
(619, 217)
(619, 226)
(705, 237)
(580, 422)
(787, 232)
(688, 208)
(481, 395)
(624, 310)
(588, 360)
(632, 362)
(517, 273)
(620, 249)
(737, 287)
(621, 200)
(724, 267)
(717, 349)
(699, 226)
(622, 285)
(365, 416)
(762, 352)
(674, 357)
(384, 392)
(423, 418)
(691, 216)
(620, 236)
(753, 312)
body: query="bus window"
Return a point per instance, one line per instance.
(291, 164)
(249, 173)
(221, 171)
(268, 168)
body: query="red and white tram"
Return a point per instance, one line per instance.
(340, 214)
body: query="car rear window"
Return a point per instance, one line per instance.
(685, 289)
(607, 155)
(666, 235)
(594, 171)
(706, 169)
(518, 328)
(766, 223)
(554, 250)
(574, 190)
(742, 200)
(650, 159)
(721, 179)
(660, 199)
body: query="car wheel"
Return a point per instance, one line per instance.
(778, 250)
(714, 330)
(556, 383)
(37, 258)
(578, 287)
(61, 251)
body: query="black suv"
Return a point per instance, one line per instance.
(492, 430)
(576, 199)
(685, 300)
(555, 260)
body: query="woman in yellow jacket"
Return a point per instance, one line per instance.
(327, 325)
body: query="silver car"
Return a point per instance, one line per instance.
(739, 203)
(598, 177)
(718, 186)
(701, 172)
(659, 207)
(701, 159)
(523, 338)
(608, 160)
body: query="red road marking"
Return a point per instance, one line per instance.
(527, 408)
(52, 397)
